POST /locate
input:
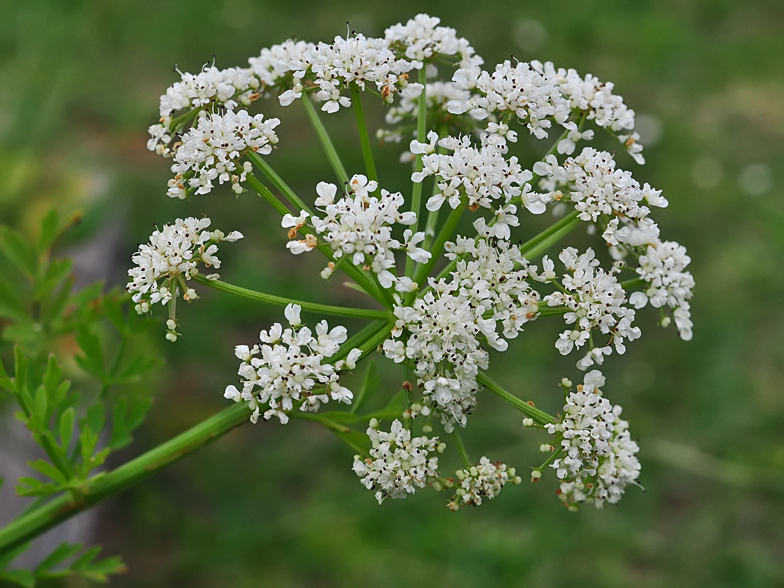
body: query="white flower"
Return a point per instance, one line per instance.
(517, 88)
(227, 87)
(359, 225)
(598, 458)
(663, 267)
(482, 174)
(594, 300)
(600, 191)
(481, 482)
(358, 60)
(173, 254)
(398, 464)
(594, 99)
(276, 66)
(289, 367)
(421, 39)
(210, 151)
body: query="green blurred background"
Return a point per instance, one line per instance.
(279, 506)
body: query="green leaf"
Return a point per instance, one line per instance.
(113, 308)
(63, 552)
(369, 386)
(21, 364)
(100, 570)
(10, 556)
(136, 368)
(357, 441)
(5, 381)
(48, 470)
(41, 404)
(19, 577)
(18, 251)
(66, 427)
(10, 306)
(84, 560)
(96, 416)
(54, 307)
(58, 270)
(33, 487)
(340, 416)
(53, 375)
(50, 229)
(92, 360)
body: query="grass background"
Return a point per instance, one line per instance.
(279, 506)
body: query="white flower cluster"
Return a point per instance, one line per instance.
(483, 175)
(518, 89)
(437, 96)
(398, 464)
(481, 482)
(358, 60)
(226, 87)
(169, 258)
(663, 267)
(210, 150)
(599, 457)
(289, 367)
(421, 39)
(359, 225)
(596, 99)
(597, 189)
(594, 300)
(443, 344)
(488, 272)
(276, 65)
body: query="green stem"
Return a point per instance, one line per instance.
(537, 415)
(369, 332)
(277, 181)
(265, 193)
(467, 463)
(633, 283)
(438, 245)
(553, 455)
(282, 301)
(326, 142)
(104, 485)
(367, 153)
(416, 192)
(113, 367)
(547, 238)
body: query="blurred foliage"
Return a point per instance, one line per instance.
(279, 506)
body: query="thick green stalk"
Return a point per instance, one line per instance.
(537, 415)
(104, 485)
(277, 181)
(633, 283)
(367, 153)
(326, 142)
(416, 192)
(282, 301)
(367, 340)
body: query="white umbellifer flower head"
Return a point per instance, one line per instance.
(359, 225)
(481, 482)
(421, 39)
(594, 300)
(594, 99)
(211, 150)
(518, 89)
(355, 60)
(663, 267)
(483, 175)
(289, 367)
(212, 86)
(171, 257)
(599, 457)
(599, 191)
(398, 464)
